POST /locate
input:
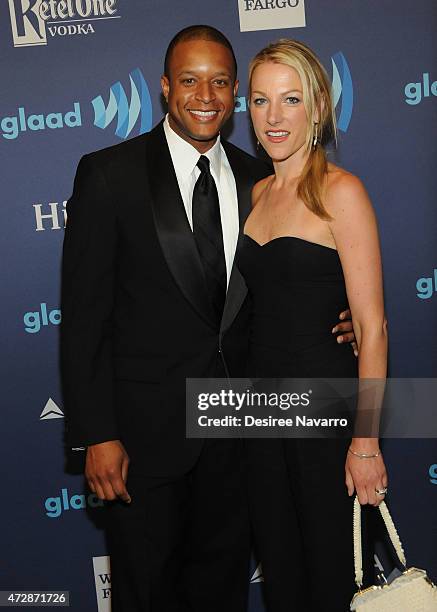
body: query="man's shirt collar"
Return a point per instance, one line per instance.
(185, 156)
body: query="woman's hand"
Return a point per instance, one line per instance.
(364, 475)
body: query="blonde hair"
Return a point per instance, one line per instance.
(317, 97)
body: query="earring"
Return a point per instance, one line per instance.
(257, 145)
(315, 139)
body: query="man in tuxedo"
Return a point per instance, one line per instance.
(150, 297)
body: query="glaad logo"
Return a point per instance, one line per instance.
(426, 286)
(433, 473)
(415, 92)
(240, 105)
(12, 126)
(55, 506)
(342, 89)
(34, 320)
(33, 20)
(140, 106)
(271, 14)
(51, 411)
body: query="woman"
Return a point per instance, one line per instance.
(310, 247)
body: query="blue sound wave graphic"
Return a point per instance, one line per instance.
(342, 88)
(140, 106)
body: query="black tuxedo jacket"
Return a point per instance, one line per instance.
(136, 319)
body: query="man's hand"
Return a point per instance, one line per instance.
(347, 330)
(106, 470)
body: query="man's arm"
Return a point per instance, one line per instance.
(86, 304)
(87, 298)
(346, 331)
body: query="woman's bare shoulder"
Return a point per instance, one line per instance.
(344, 188)
(258, 189)
(341, 182)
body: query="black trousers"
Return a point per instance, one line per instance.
(183, 544)
(302, 521)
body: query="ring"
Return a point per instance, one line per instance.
(381, 491)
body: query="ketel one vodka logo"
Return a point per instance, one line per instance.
(33, 21)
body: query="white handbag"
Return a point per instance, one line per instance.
(412, 591)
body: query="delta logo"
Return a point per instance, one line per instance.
(34, 22)
(257, 575)
(51, 411)
(132, 113)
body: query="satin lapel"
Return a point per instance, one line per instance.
(173, 228)
(237, 289)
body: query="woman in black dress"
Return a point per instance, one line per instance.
(310, 248)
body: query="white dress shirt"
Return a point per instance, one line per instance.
(185, 158)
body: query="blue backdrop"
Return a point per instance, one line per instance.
(80, 75)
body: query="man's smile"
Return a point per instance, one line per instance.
(203, 115)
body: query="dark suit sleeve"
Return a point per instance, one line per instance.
(87, 298)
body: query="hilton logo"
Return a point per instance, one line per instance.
(271, 14)
(54, 220)
(33, 20)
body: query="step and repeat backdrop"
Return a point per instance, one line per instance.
(80, 75)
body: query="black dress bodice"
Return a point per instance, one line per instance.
(298, 290)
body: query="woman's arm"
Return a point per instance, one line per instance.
(355, 232)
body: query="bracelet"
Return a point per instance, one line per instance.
(363, 455)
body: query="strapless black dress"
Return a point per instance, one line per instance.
(300, 508)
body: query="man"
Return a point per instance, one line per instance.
(149, 298)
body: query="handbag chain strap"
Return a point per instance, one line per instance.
(358, 552)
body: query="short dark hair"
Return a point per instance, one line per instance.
(198, 32)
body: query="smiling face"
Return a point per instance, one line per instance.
(277, 110)
(200, 89)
